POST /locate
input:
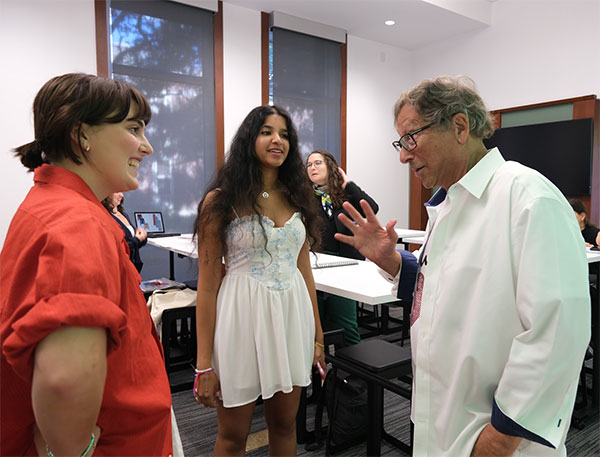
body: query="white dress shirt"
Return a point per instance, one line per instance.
(504, 316)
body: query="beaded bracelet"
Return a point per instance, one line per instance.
(90, 446)
(321, 345)
(197, 376)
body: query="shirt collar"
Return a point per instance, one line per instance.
(478, 177)
(51, 174)
(437, 198)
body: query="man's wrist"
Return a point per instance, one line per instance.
(392, 264)
(493, 442)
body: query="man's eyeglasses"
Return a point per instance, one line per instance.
(316, 163)
(407, 141)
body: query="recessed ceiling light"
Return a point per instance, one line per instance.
(390, 22)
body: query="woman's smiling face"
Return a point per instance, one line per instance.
(115, 153)
(272, 143)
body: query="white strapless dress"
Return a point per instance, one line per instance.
(265, 329)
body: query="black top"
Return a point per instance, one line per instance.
(354, 195)
(590, 233)
(134, 243)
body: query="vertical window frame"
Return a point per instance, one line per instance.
(103, 64)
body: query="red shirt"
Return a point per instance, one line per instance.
(65, 262)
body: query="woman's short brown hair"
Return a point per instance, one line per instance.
(67, 101)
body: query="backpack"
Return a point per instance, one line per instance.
(346, 398)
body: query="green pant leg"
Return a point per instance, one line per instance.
(339, 312)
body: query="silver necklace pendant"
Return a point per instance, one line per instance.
(265, 194)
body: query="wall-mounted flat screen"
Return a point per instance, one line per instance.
(561, 151)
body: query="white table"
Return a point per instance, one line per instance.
(182, 245)
(363, 283)
(360, 282)
(593, 256)
(414, 239)
(405, 234)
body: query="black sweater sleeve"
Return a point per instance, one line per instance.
(355, 194)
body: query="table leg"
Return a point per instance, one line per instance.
(596, 339)
(171, 266)
(375, 419)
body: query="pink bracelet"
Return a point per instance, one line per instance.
(197, 376)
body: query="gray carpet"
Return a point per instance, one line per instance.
(198, 428)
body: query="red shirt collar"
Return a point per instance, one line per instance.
(51, 174)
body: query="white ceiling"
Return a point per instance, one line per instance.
(418, 22)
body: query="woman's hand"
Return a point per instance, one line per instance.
(141, 234)
(319, 361)
(344, 177)
(206, 389)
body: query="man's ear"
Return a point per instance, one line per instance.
(461, 127)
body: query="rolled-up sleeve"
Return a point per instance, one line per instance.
(62, 280)
(46, 316)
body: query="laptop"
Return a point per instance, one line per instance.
(153, 223)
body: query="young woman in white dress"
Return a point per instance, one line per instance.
(258, 324)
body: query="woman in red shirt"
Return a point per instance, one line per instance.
(82, 368)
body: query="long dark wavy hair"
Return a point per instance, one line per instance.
(334, 179)
(239, 180)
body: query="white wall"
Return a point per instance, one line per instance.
(534, 51)
(371, 161)
(241, 66)
(377, 74)
(39, 39)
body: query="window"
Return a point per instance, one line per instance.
(166, 50)
(306, 79)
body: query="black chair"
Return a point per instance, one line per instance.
(403, 325)
(178, 335)
(368, 320)
(586, 408)
(333, 337)
(376, 361)
(372, 322)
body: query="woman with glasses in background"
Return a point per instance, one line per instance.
(332, 188)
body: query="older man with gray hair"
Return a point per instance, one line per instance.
(501, 308)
